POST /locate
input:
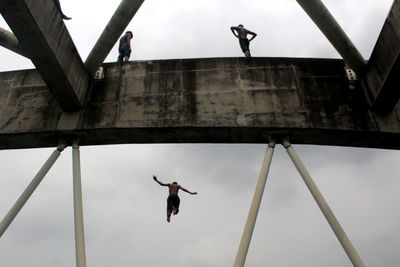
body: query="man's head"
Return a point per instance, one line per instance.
(174, 183)
(240, 25)
(129, 32)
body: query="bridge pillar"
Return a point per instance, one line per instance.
(323, 205)
(255, 206)
(78, 210)
(19, 204)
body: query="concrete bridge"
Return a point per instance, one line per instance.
(216, 100)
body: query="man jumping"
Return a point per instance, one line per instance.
(241, 34)
(173, 199)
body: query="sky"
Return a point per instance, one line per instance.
(124, 209)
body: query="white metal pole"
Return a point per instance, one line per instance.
(323, 205)
(255, 205)
(16, 208)
(78, 210)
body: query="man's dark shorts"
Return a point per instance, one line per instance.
(244, 44)
(124, 51)
(173, 201)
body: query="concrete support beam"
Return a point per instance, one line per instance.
(21, 201)
(254, 208)
(382, 85)
(216, 100)
(9, 41)
(335, 34)
(114, 29)
(80, 250)
(325, 209)
(43, 35)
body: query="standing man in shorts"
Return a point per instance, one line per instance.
(125, 47)
(173, 199)
(241, 33)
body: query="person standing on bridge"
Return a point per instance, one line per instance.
(173, 200)
(63, 16)
(125, 47)
(241, 33)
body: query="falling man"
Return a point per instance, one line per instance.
(173, 200)
(241, 33)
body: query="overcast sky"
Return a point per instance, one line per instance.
(124, 209)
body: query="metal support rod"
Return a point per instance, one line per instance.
(335, 34)
(9, 41)
(16, 208)
(323, 205)
(255, 205)
(78, 211)
(115, 27)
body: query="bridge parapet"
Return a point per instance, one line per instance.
(215, 100)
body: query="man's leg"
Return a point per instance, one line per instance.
(57, 3)
(175, 205)
(169, 208)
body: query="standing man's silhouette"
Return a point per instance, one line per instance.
(241, 33)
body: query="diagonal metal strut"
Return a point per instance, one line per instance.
(19, 204)
(254, 208)
(323, 205)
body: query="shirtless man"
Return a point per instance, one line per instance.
(173, 199)
(57, 3)
(241, 33)
(125, 47)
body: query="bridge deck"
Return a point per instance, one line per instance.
(215, 100)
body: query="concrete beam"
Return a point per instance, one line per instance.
(217, 100)
(114, 29)
(9, 41)
(335, 34)
(383, 71)
(43, 35)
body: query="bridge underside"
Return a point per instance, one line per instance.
(216, 100)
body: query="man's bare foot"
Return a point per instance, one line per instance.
(174, 211)
(169, 217)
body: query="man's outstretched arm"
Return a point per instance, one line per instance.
(233, 28)
(187, 191)
(161, 183)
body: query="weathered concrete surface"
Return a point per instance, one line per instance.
(217, 100)
(383, 72)
(44, 37)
